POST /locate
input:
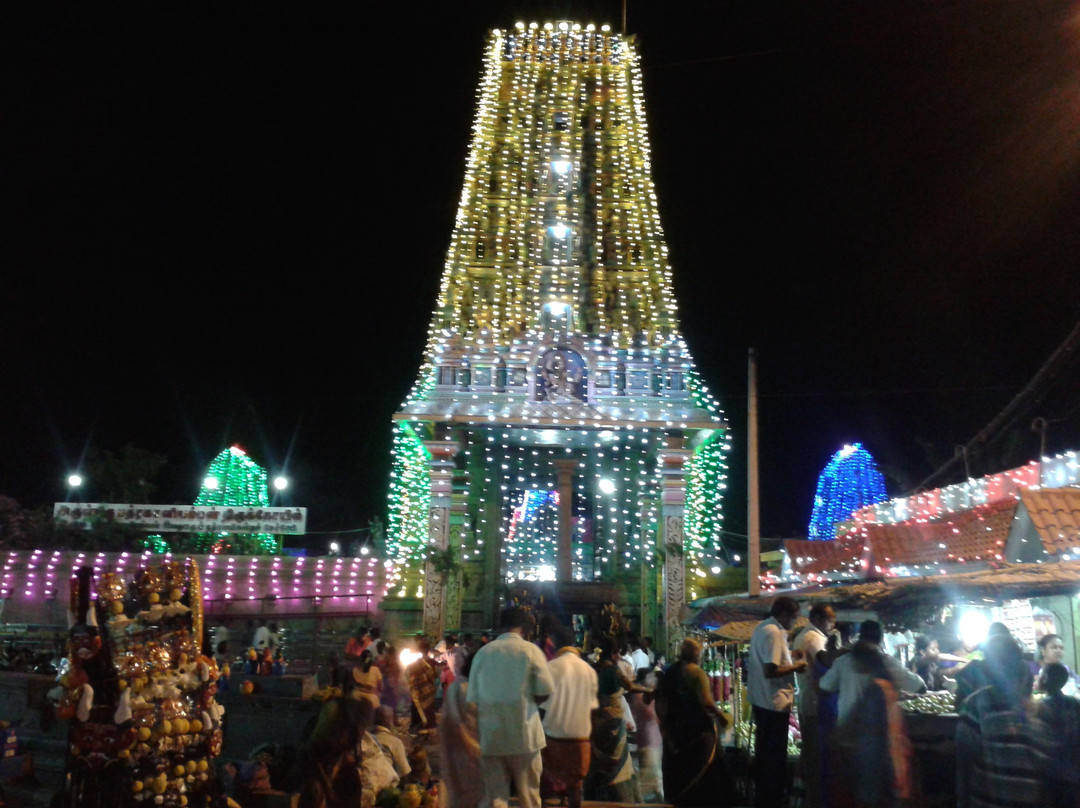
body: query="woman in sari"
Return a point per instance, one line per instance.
(695, 773)
(1001, 756)
(459, 743)
(1051, 651)
(869, 752)
(387, 662)
(423, 684)
(650, 742)
(367, 679)
(611, 771)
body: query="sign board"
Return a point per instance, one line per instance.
(1019, 617)
(186, 518)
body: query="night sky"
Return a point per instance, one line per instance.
(226, 223)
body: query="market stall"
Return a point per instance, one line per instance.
(724, 661)
(1030, 599)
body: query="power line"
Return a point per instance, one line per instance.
(337, 532)
(1019, 406)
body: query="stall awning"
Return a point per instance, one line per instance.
(828, 558)
(977, 534)
(899, 602)
(1055, 513)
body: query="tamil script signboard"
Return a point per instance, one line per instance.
(185, 519)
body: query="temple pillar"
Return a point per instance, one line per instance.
(652, 595)
(454, 586)
(672, 459)
(436, 576)
(564, 483)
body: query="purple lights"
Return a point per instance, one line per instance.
(33, 577)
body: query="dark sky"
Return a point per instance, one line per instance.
(226, 224)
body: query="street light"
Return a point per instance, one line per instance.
(281, 482)
(74, 483)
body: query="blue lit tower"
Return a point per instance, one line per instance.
(558, 430)
(850, 481)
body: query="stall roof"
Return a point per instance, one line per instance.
(1025, 525)
(1055, 513)
(978, 534)
(814, 557)
(899, 601)
(741, 630)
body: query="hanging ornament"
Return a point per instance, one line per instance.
(158, 657)
(148, 584)
(111, 588)
(195, 599)
(172, 578)
(185, 645)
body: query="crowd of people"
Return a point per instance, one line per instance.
(535, 712)
(1018, 736)
(524, 711)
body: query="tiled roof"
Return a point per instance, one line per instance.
(978, 534)
(821, 557)
(1055, 512)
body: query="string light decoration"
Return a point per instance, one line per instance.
(531, 535)
(555, 338)
(938, 530)
(234, 480)
(849, 482)
(973, 492)
(705, 483)
(342, 584)
(410, 496)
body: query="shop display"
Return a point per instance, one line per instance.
(145, 725)
(932, 703)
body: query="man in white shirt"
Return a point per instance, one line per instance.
(638, 656)
(261, 639)
(646, 646)
(568, 717)
(808, 644)
(772, 691)
(509, 677)
(850, 679)
(384, 734)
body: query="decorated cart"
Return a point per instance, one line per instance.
(137, 690)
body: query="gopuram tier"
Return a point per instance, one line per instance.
(558, 431)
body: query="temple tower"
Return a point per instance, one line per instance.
(558, 430)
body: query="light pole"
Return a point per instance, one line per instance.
(281, 482)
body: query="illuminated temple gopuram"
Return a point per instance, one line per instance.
(558, 431)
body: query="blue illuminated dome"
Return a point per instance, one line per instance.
(850, 481)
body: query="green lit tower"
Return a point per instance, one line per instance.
(234, 480)
(558, 430)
